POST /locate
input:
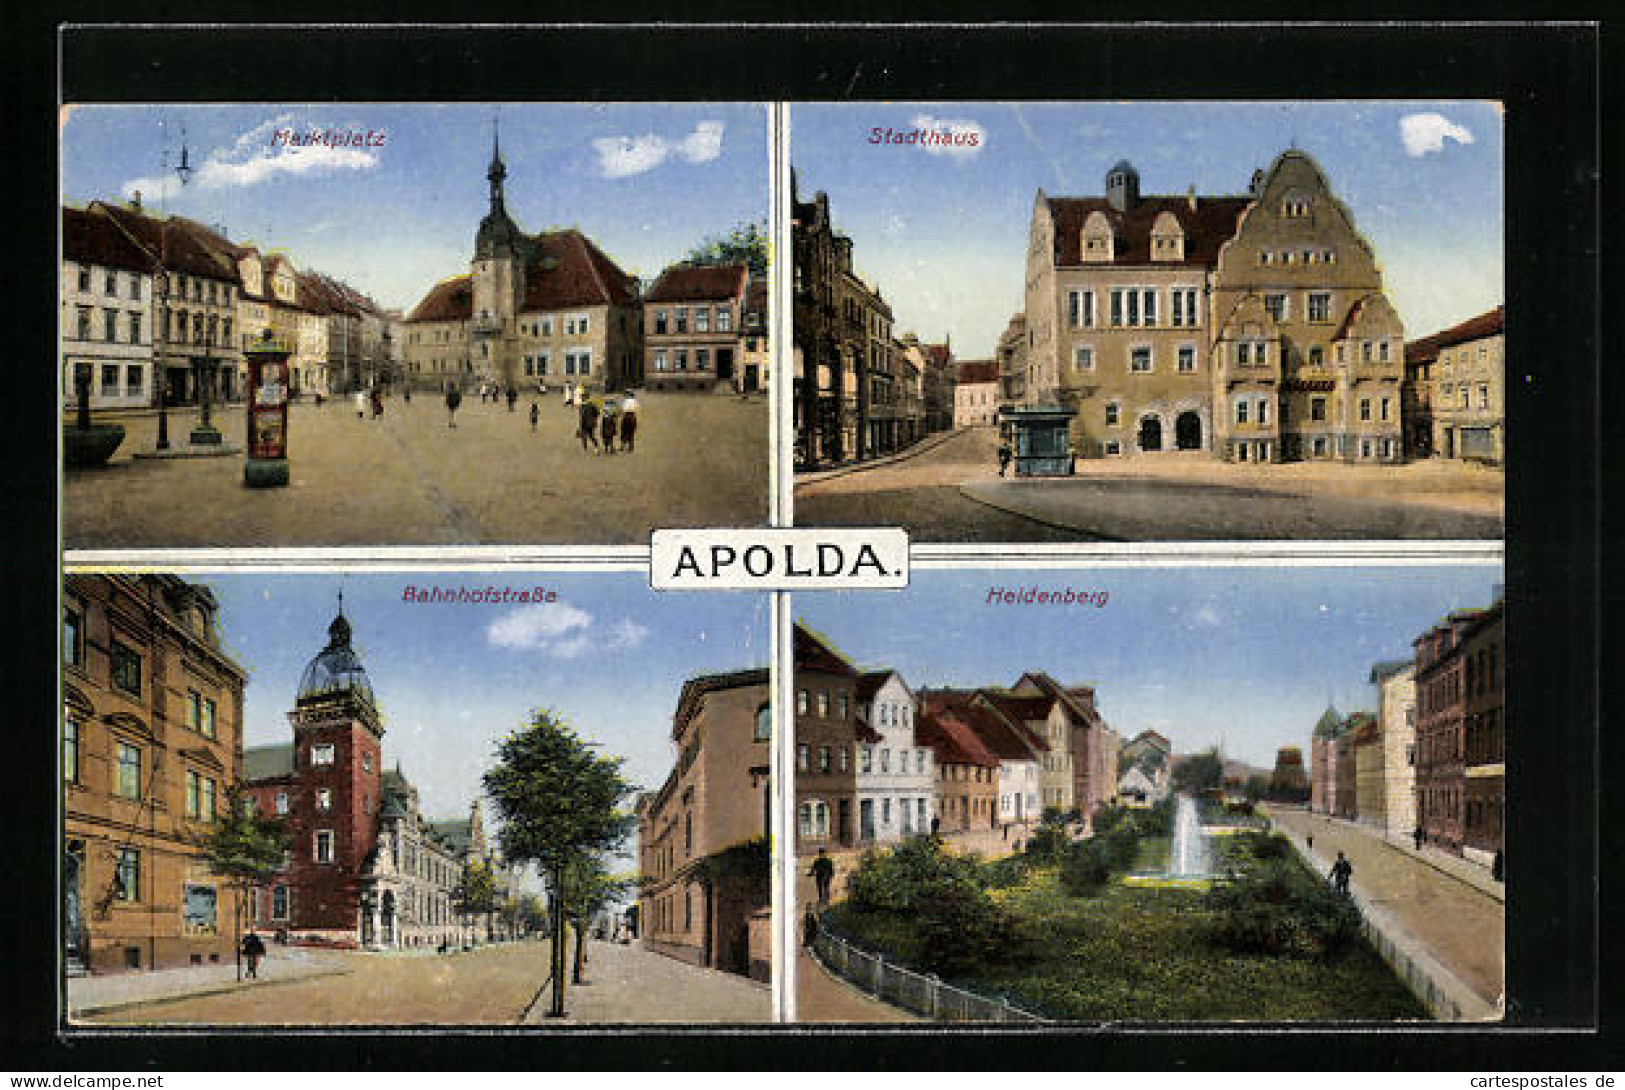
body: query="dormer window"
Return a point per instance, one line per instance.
(1097, 238)
(1167, 239)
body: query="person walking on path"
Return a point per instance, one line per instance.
(823, 873)
(454, 398)
(406, 394)
(513, 396)
(377, 403)
(253, 950)
(1418, 836)
(587, 423)
(629, 421)
(569, 395)
(1341, 872)
(1005, 454)
(360, 404)
(809, 927)
(609, 426)
(535, 415)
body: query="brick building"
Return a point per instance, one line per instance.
(152, 712)
(1323, 762)
(826, 685)
(693, 328)
(1483, 654)
(967, 787)
(1456, 378)
(701, 899)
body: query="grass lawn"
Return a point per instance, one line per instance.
(1144, 955)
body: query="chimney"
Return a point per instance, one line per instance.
(1190, 197)
(135, 200)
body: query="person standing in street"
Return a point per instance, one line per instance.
(454, 398)
(1004, 457)
(1418, 836)
(360, 404)
(535, 415)
(823, 873)
(629, 421)
(406, 394)
(587, 422)
(608, 427)
(1341, 872)
(253, 950)
(377, 403)
(513, 396)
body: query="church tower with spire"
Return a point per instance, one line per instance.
(500, 252)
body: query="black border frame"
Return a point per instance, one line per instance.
(1548, 75)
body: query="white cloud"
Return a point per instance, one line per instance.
(1422, 133)
(968, 137)
(254, 156)
(562, 631)
(623, 156)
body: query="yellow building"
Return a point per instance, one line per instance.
(1460, 373)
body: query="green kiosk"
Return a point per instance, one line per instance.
(1040, 434)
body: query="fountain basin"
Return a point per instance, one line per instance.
(1200, 883)
(91, 446)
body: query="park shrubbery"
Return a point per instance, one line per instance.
(1277, 907)
(1087, 865)
(959, 927)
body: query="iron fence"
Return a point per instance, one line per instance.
(921, 993)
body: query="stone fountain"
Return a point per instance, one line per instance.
(1190, 857)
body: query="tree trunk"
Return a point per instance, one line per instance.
(556, 954)
(581, 949)
(238, 916)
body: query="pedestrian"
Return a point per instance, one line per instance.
(629, 421)
(377, 403)
(587, 423)
(535, 415)
(569, 395)
(454, 398)
(609, 426)
(406, 394)
(360, 403)
(809, 927)
(253, 950)
(1309, 841)
(1498, 866)
(1005, 454)
(1341, 872)
(823, 873)
(513, 396)
(1418, 836)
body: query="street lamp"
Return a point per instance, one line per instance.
(206, 434)
(160, 279)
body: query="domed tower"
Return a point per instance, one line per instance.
(500, 249)
(337, 765)
(1123, 186)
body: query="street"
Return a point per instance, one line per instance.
(952, 492)
(408, 479)
(1462, 927)
(493, 985)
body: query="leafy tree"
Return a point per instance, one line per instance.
(476, 890)
(1200, 772)
(589, 889)
(245, 848)
(560, 807)
(746, 244)
(531, 914)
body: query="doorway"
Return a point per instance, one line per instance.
(1188, 431)
(725, 364)
(1150, 433)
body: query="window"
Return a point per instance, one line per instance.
(84, 323)
(803, 757)
(72, 635)
(801, 701)
(111, 287)
(127, 876)
(1241, 412)
(702, 359)
(70, 749)
(321, 754)
(1083, 358)
(279, 902)
(823, 705)
(1187, 359)
(1139, 359)
(680, 319)
(547, 325)
(1081, 309)
(846, 706)
(1263, 411)
(1275, 305)
(129, 771)
(1133, 299)
(324, 846)
(1483, 395)
(1317, 409)
(764, 724)
(1113, 413)
(1184, 306)
(282, 803)
(1317, 356)
(1244, 352)
(702, 319)
(1320, 306)
(1117, 306)
(206, 808)
(866, 760)
(135, 327)
(84, 278)
(725, 320)
(813, 819)
(110, 329)
(823, 759)
(846, 759)
(324, 799)
(1365, 408)
(126, 667)
(1382, 351)
(193, 791)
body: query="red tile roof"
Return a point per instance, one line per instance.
(568, 270)
(174, 242)
(972, 371)
(1207, 227)
(1005, 736)
(700, 283)
(953, 742)
(93, 239)
(451, 300)
(1488, 324)
(814, 652)
(939, 354)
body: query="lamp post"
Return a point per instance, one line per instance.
(206, 434)
(160, 279)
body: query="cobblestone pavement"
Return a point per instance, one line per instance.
(632, 984)
(1174, 496)
(489, 985)
(1461, 926)
(408, 479)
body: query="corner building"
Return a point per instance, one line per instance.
(1253, 327)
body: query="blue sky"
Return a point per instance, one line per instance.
(646, 182)
(610, 656)
(1243, 657)
(944, 233)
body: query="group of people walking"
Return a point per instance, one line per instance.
(600, 422)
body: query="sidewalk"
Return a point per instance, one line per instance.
(1455, 922)
(111, 991)
(632, 984)
(1454, 865)
(920, 446)
(822, 997)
